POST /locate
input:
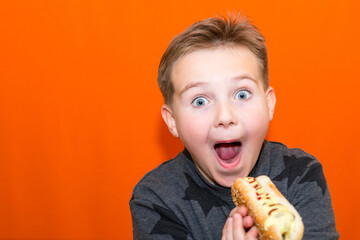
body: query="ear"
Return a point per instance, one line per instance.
(168, 116)
(271, 101)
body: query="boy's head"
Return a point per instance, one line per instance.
(217, 97)
(211, 33)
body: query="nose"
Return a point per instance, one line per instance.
(225, 115)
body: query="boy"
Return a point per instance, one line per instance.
(214, 79)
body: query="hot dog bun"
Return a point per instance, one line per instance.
(274, 217)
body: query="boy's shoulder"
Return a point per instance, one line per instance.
(284, 149)
(280, 162)
(173, 168)
(167, 177)
(289, 168)
(276, 153)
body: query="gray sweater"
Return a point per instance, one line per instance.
(174, 201)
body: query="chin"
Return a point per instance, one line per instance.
(227, 182)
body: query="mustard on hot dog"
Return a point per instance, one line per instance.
(279, 214)
(274, 216)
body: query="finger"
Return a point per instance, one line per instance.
(225, 226)
(243, 211)
(252, 234)
(248, 221)
(234, 210)
(238, 228)
(229, 229)
(223, 237)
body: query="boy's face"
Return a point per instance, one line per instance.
(220, 111)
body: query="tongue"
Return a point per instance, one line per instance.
(227, 151)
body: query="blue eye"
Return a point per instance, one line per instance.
(242, 95)
(200, 101)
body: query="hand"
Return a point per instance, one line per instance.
(239, 226)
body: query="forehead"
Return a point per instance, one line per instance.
(218, 63)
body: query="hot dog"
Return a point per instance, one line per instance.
(274, 217)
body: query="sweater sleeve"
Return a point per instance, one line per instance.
(311, 197)
(152, 219)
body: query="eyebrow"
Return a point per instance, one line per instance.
(244, 76)
(236, 78)
(191, 85)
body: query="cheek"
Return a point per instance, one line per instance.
(194, 129)
(257, 124)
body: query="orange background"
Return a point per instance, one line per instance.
(80, 116)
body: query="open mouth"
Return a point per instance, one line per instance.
(227, 152)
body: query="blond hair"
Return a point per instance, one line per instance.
(209, 33)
